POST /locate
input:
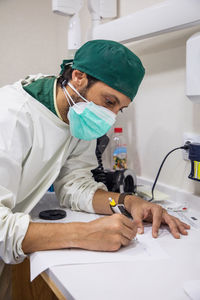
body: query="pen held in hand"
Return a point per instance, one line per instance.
(119, 208)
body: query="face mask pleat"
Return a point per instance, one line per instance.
(88, 127)
(102, 112)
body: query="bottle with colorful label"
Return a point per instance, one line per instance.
(119, 150)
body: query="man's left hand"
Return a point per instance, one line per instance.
(142, 210)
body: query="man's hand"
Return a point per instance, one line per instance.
(104, 234)
(141, 210)
(107, 233)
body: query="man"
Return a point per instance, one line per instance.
(48, 134)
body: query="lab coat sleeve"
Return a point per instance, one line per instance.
(75, 186)
(12, 230)
(13, 148)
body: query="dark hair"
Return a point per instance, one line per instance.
(67, 76)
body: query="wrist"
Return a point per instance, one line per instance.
(126, 199)
(132, 201)
(77, 234)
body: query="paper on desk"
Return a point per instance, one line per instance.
(192, 289)
(190, 217)
(144, 248)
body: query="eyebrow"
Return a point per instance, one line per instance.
(116, 99)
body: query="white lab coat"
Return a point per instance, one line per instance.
(36, 147)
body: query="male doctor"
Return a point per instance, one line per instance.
(48, 131)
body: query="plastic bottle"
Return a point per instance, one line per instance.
(119, 150)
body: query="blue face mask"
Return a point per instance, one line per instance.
(87, 120)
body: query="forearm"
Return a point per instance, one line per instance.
(103, 234)
(47, 236)
(101, 203)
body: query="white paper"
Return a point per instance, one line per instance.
(192, 288)
(190, 217)
(143, 248)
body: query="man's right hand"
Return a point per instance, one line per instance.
(106, 234)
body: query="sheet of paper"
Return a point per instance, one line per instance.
(143, 248)
(190, 217)
(192, 289)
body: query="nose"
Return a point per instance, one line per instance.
(116, 110)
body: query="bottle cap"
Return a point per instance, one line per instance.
(117, 129)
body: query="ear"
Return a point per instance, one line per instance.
(79, 79)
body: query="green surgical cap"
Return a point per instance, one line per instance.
(110, 62)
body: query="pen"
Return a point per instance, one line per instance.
(119, 208)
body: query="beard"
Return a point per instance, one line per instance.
(83, 93)
(76, 98)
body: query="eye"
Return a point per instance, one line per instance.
(109, 102)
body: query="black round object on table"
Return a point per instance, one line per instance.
(52, 214)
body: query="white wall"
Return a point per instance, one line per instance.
(33, 40)
(161, 112)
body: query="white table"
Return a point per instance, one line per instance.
(139, 280)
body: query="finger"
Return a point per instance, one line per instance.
(128, 222)
(157, 213)
(125, 227)
(171, 222)
(119, 240)
(182, 226)
(125, 241)
(185, 225)
(129, 233)
(138, 217)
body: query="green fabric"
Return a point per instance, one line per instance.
(112, 63)
(65, 63)
(42, 90)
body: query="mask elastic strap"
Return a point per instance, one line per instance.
(67, 95)
(75, 90)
